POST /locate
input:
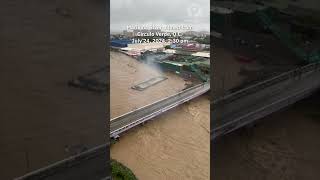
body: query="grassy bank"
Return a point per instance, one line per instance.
(120, 172)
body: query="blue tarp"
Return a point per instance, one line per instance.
(120, 43)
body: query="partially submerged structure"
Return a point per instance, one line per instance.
(93, 81)
(148, 83)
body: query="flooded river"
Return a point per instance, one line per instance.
(174, 145)
(282, 146)
(126, 72)
(42, 119)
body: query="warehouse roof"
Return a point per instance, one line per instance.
(201, 54)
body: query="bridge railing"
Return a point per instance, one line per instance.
(116, 122)
(242, 107)
(154, 103)
(73, 162)
(267, 83)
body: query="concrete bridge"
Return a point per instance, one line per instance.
(245, 106)
(131, 119)
(229, 113)
(92, 164)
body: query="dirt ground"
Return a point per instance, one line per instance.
(43, 45)
(281, 146)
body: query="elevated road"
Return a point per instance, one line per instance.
(131, 119)
(257, 101)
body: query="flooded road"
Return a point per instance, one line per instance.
(174, 145)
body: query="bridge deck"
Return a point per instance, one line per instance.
(247, 105)
(129, 120)
(230, 112)
(92, 164)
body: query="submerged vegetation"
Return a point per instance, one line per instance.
(120, 172)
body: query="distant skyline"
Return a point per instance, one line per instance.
(167, 12)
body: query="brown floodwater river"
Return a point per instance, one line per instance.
(175, 145)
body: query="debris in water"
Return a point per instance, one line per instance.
(150, 82)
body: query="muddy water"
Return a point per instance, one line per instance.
(226, 76)
(283, 145)
(227, 72)
(174, 145)
(42, 120)
(126, 72)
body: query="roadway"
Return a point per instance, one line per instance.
(131, 119)
(247, 105)
(93, 164)
(230, 113)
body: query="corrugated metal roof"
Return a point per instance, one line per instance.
(201, 54)
(173, 63)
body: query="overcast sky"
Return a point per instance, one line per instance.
(195, 13)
